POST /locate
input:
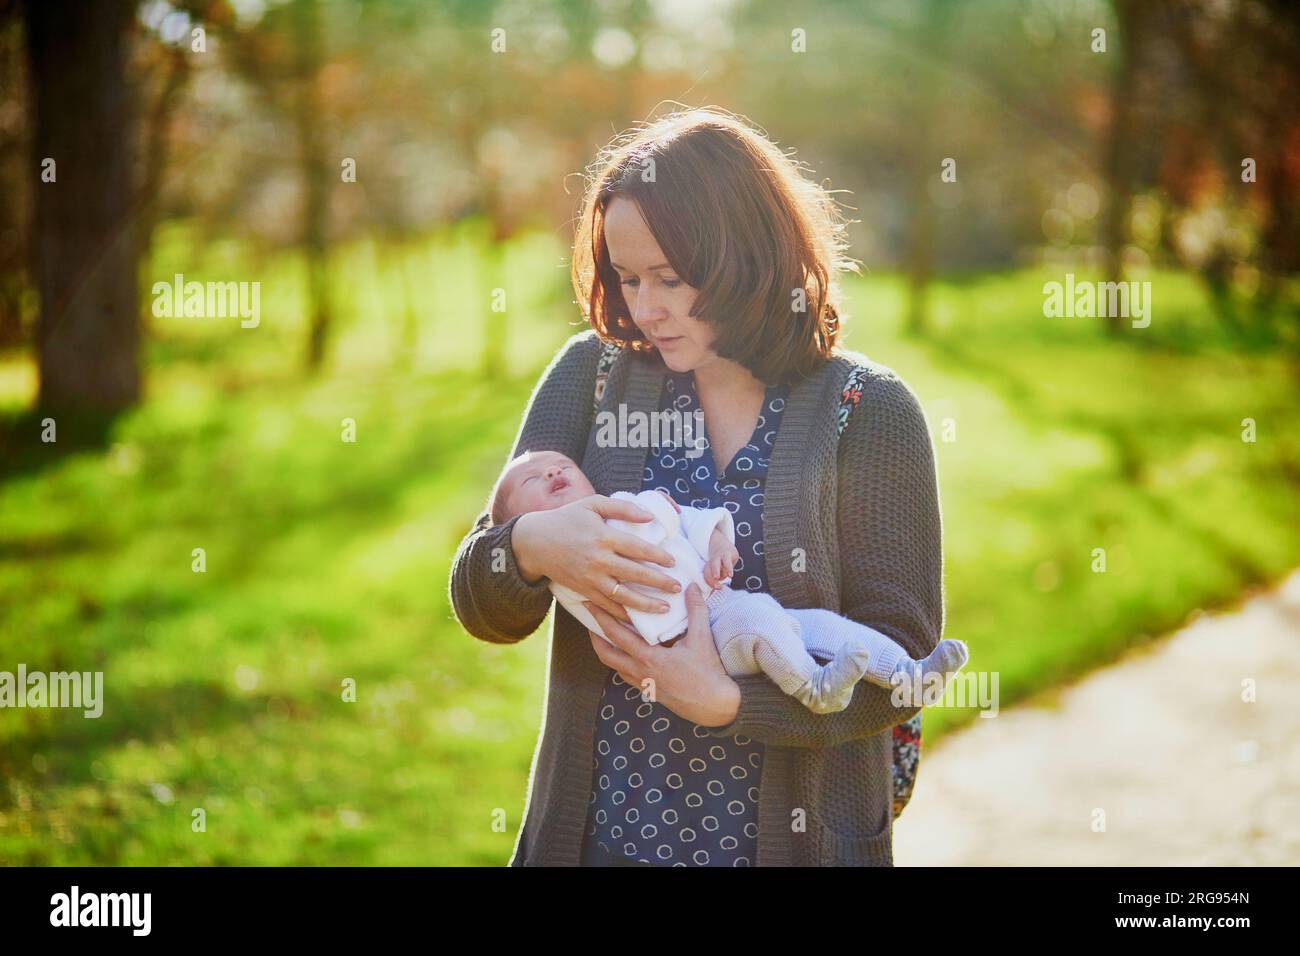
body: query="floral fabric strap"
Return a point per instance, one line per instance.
(608, 353)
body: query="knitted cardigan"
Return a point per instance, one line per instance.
(852, 525)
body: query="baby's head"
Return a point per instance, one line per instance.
(538, 481)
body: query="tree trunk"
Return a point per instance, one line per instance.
(315, 177)
(501, 229)
(410, 337)
(926, 162)
(1117, 162)
(84, 252)
(496, 324)
(155, 129)
(14, 166)
(920, 251)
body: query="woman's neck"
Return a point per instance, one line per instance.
(731, 399)
(726, 379)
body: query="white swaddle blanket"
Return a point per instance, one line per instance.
(686, 537)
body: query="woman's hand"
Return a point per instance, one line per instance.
(686, 677)
(574, 547)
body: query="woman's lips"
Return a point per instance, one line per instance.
(671, 340)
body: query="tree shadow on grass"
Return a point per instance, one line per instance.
(1126, 440)
(151, 715)
(1126, 437)
(24, 452)
(1023, 396)
(43, 547)
(1244, 566)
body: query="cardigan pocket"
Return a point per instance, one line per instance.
(834, 849)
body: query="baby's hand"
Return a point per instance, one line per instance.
(721, 561)
(676, 506)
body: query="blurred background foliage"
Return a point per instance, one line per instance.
(220, 154)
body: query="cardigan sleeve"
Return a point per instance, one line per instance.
(891, 558)
(489, 596)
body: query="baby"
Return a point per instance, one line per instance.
(753, 632)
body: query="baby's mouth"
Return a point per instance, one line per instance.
(559, 484)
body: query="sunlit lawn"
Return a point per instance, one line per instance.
(328, 560)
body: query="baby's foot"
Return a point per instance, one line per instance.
(946, 659)
(832, 686)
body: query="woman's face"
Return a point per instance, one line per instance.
(659, 300)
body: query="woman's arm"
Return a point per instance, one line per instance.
(488, 594)
(891, 558)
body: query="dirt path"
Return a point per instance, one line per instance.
(1186, 772)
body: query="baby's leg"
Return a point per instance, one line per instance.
(826, 634)
(754, 634)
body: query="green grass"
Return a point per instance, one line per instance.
(328, 560)
(1066, 441)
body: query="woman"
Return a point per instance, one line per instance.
(704, 253)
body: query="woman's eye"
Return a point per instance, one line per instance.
(672, 283)
(628, 282)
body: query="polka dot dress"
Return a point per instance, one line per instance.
(665, 791)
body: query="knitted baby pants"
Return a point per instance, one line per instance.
(754, 634)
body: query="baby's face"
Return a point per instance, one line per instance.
(542, 480)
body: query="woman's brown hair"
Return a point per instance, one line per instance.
(737, 221)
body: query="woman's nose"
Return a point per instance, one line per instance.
(645, 309)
